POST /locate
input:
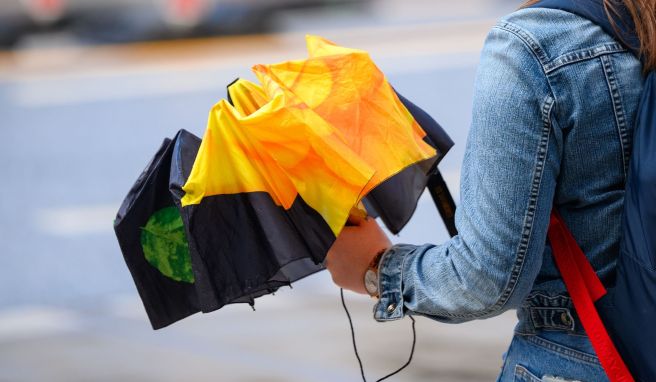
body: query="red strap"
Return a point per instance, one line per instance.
(585, 288)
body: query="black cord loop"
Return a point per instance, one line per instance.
(355, 347)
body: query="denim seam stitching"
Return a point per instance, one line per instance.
(564, 351)
(618, 110)
(578, 328)
(401, 301)
(379, 307)
(528, 40)
(521, 332)
(522, 372)
(544, 295)
(535, 310)
(532, 44)
(527, 229)
(583, 55)
(538, 171)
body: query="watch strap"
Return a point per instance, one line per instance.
(375, 262)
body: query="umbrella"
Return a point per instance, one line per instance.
(282, 164)
(245, 245)
(153, 240)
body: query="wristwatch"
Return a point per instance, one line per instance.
(371, 275)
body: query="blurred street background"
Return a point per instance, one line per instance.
(88, 90)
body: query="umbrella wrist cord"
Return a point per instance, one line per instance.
(355, 347)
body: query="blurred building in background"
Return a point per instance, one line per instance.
(100, 21)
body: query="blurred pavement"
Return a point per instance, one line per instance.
(78, 125)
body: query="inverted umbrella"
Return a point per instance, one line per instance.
(263, 196)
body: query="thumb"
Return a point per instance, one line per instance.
(357, 215)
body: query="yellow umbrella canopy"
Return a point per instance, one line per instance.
(347, 89)
(284, 150)
(329, 128)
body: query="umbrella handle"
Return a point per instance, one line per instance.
(443, 200)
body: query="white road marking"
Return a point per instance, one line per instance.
(98, 219)
(73, 92)
(35, 321)
(77, 220)
(62, 92)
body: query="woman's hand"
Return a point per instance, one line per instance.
(355, 247)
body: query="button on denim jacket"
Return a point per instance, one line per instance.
(554, 106)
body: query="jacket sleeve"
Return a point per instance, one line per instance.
(508, 178)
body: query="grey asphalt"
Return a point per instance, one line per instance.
(79, 123)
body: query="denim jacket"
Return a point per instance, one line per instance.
(554, 106)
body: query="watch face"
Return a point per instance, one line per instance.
(371, 282)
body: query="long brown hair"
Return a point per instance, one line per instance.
(643, 13)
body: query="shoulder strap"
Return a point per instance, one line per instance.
(594, 11)
(585, 289)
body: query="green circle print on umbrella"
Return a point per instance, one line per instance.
(165, 246)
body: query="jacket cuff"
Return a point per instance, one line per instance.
(390, 283)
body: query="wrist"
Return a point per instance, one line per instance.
(371, 275)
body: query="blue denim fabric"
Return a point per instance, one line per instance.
(554, 105)
(551, 357)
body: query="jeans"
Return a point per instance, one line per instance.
(551, 356)
(550, 344)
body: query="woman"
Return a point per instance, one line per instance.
(554, 106)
